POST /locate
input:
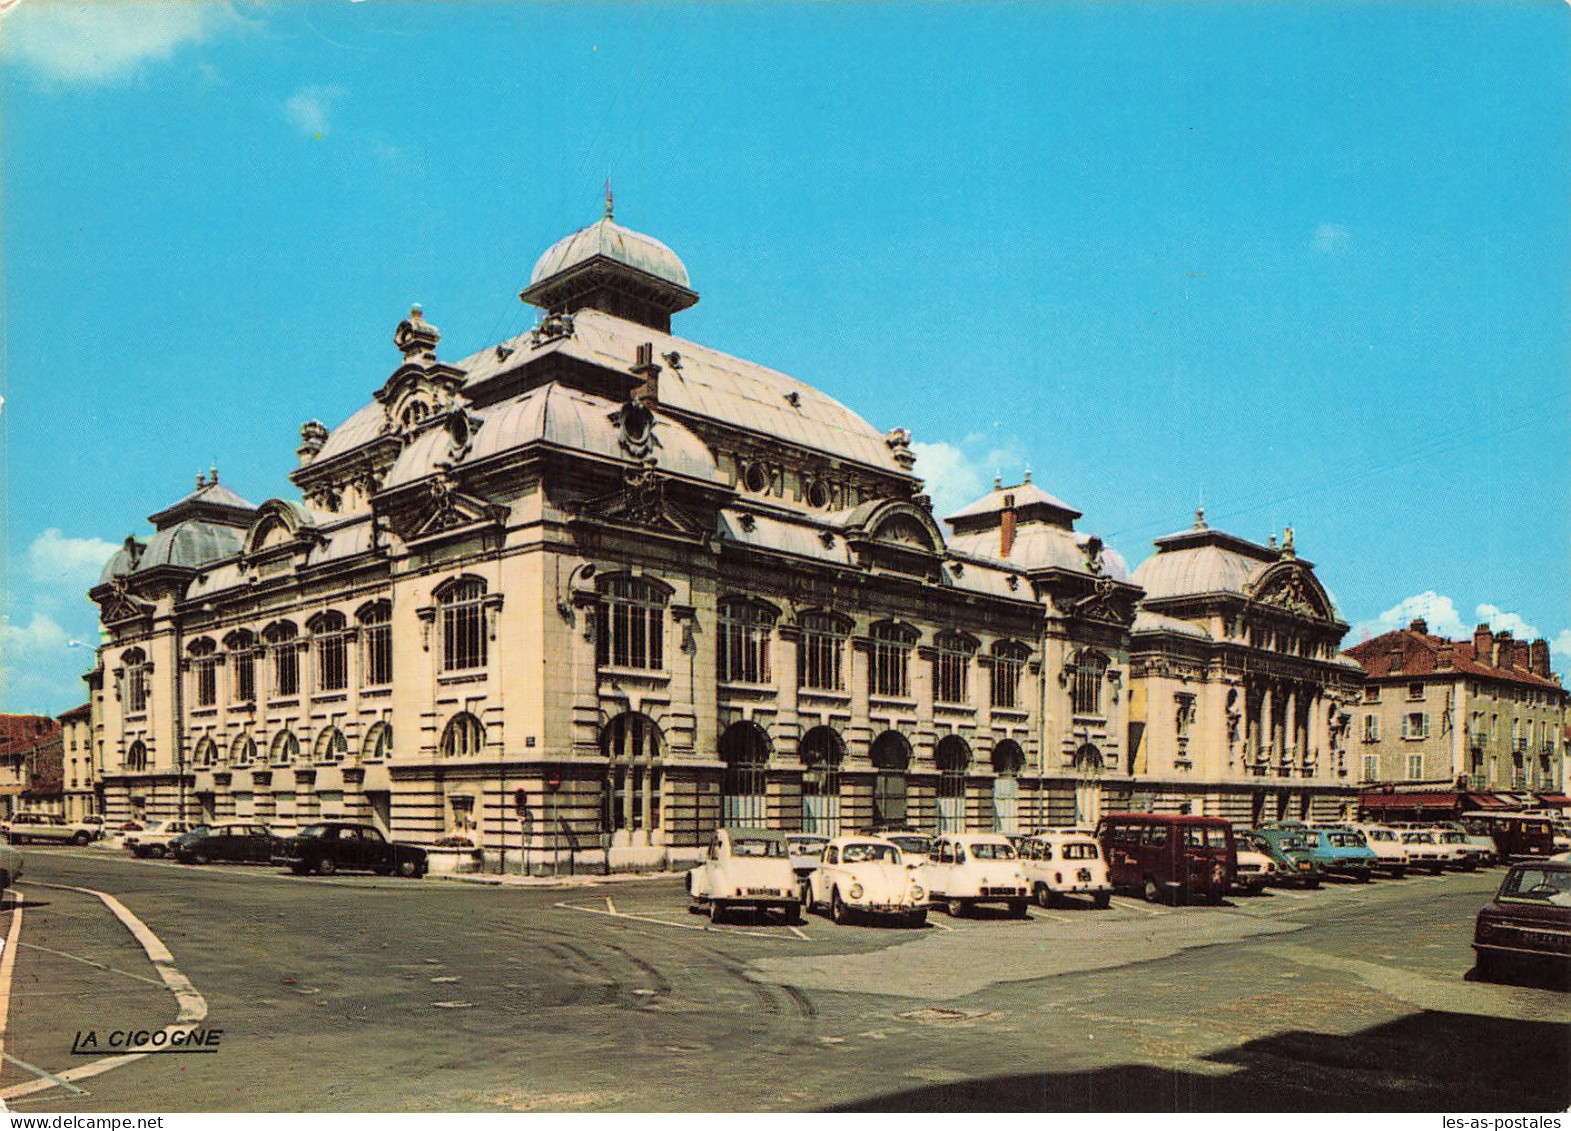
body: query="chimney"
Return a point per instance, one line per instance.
(1539, 658)
(1443, 656)
(1006, 527)
(1482, 642)
(1502, 652)
(1420, 626)
(647, 392)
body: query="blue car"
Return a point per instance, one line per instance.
(1341, 852)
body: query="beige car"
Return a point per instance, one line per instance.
(46, 828)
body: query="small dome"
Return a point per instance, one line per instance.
(621, 245)
(190, 545)
(122, 562)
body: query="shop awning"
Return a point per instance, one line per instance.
(1486, 801)
(1431, 801)
(1555, 800)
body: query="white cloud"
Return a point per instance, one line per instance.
(953, 480)
(1330, 239)
(41, 633)
(1499, 621)
(1437, 611)
(67, 563)
(1561, 645)
(104, 42)
(310, 108)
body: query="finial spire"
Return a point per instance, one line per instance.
(1028, 475)
(1200, 518)
(1287, 542)
(608, 198)
(998, 480)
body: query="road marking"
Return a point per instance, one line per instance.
(678, 926)
(1049, 915)
(7, 962)
(90, 962)
(36, 1071)
(798, 933)
(1132, 905)
(940, 924)
(193, 1006)
(609, 906)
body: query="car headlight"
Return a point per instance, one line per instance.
(917, 895)
(1485, 928)
(854, 891)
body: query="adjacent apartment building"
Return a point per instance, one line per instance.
(1483, 714)
(79, 767)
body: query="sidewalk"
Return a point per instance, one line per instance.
(514, 880)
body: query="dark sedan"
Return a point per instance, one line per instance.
(1529, 920)
(234, 842)
(334, 846)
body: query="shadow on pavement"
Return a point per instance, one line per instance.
(1429, 1062)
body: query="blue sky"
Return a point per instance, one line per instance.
(1308, 262)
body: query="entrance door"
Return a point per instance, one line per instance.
(1006, 804)
(381, 805)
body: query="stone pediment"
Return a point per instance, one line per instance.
(121, 605)
(1294, 589)
(444, 509)
(642, 501)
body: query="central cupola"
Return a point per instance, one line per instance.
(614, 269)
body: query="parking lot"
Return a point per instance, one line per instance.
(430, 995)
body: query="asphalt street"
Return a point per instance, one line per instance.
(354, 994)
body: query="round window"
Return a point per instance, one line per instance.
(636, 420)
(817, 494)
(755, 479)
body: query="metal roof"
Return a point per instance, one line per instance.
(1040, 546)
(190, 545)
(1147, 621)
(622, 245)
(1025, 495)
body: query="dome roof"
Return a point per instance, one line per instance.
(1040, 546)
(190, 545)
(621, 245)
(120, 563)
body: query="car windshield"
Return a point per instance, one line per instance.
(916, 844)
(1453, 838)
(757, 846)
(859, 853)
(1345, 840)
(313, 832)
(1292, 842)
(986, 850)
(1079, 850)
(1538, 885)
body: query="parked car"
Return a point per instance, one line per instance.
(339, 846)
(865, 875)
(46, 828)
(234, 842)
(1514, 834)
(1341, 851)
(10, 867)
(1478, 836)
(1295, 867)
(155, 839)
(967, 869)
(746, 868)
(805, 850)
(1169, 855)
(1465, 855)
(1529, 920)
(1423, 851)
(914, 847)
(1254, 870)
(1056, 865)
(1391, 855)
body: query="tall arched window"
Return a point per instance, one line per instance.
(136, 757)
(206, 753)
(953, 757)
(630, 630)
(378, 742)
(744, 748)
(1090, 671)
(330, 648)
(283, 649)
(1008, 761)
(820, 657)
(1009, 661)
(286, 748)
(746, 632)
(241, 646)
(376, 644)
(331, 746)
(204, 672)
(136, 668)
(461, 607)
(952, 652)
(242, 750)
(891, 756)
(822, 752)
(463, 737)
(630, 799)
(891, 666)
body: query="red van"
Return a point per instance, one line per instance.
(1169, 855)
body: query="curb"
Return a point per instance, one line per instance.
(549, 883)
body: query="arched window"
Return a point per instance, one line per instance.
(204, 672)
(330, 646)
(463, 737)
(136, 757)
(376, 644)
(891, 667)
(630, 630)
(206, 753)
(1090, 670)
(746, 629)
(1009, 661)
(331, 746)
(952, 652)
(136, 679)
(744, 748)
(953, 757)
(631, 797)
(283, 649)
(461, 605)
(822, 752)
(241, 646)
(378, 742)
(1008, 761)
(891, 756)
(242, 750)
(820, 657)
(286, 748)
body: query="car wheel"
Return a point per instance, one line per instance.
(325, 866)
(1103, 900)
(793, 914)
(956, 907)
(917, 918)
(717, 911)
(1017, 908)
(1044, 895)
(1363, 877)
(1436, 869)
(1470, 865)
(807, 897)
(1152, 893)
(1486, 967)
(409, 868)
(1312, 885)
(80, 839)
(1400, 873)
(838, 911)
(300, 868)
(160, 851)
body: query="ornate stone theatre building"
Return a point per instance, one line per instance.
(592, 591)
(1241, 697)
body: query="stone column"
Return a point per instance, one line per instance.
(1290, 731)
(1267, 723)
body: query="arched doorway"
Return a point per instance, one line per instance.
(630, 794)
(744, 748)
(1088, 786)
(891, 756)
(952, 757)
(822, 753)
(1008, 761)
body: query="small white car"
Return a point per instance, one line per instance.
(966, 869)
(1391, 854)
(1060, 864)
(1423, 851)
(47, 828)
(745, 868)
(154, 838)
(806, 851)
(1254, 871)
(1469, 855)
(865, 875)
